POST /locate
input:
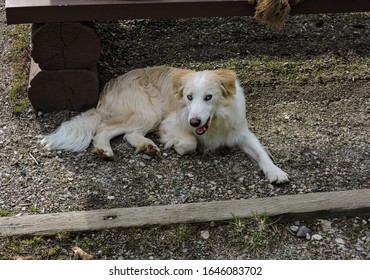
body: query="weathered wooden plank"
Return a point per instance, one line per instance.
(38, 11)
(305, 206)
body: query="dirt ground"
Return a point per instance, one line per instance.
(307, 89)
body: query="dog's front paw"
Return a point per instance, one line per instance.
(277, 176)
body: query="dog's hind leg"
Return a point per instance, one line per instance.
(134, 126)
(250, 144)
(105, 132)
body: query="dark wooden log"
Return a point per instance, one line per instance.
(54, 90)
(70, 45)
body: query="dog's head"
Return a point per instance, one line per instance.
(202, 93)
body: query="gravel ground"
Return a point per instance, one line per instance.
(307, 91)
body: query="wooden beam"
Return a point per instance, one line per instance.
(302, 206)
(42, 11)
(67, 89)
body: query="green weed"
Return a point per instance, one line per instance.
(252, 234)
(4, 212)
(20, 56)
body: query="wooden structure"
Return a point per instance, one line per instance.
(302, 206)
(65, 52)
(33, 11)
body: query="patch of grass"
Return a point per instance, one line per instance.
(170, 237)
(178, 234)
(32, 209)
(28, 246)
(253, 234)
(20, 56)
(62, 235)
(53, 251)
(4, 213)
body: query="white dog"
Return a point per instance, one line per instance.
(188, 109)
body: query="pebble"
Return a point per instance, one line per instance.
(316, 237)
(340, 241)
(308, 236)
(302, 231)
(110, 197)
(205, 234)
(294, 228)
(359, 248)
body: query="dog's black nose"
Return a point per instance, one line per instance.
(195, 122)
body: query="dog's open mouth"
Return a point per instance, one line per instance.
(202, 129)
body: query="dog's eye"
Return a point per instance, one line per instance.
(208, 97)
(190, 97)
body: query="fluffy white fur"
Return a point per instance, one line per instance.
(187, 108)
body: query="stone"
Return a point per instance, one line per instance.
(302, 231)
(294, 228)
(316, 237)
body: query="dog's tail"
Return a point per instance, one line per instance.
(76, 134)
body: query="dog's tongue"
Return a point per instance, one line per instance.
(201, 130)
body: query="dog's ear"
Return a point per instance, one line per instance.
(178, 80)
(227, 79)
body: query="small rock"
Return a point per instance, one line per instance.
(340, 241)
(110, 197)
(159, 176)
(302, 231)
(252, 187)
(367, 237)
(316, 237)
(308, 236)
(294, 228)
(205, 234)
(359, 248)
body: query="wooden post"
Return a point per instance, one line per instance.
(72, 45)
(63, 73)
(72, 89)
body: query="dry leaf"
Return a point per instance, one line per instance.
(326, 225)
(81, 253)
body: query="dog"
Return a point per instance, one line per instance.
(189, 109)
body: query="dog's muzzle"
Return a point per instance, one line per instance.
(200, 130)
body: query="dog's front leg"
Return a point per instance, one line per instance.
(250, 144)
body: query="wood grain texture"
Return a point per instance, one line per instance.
(72, 45)
(303, 206)
(54, 90)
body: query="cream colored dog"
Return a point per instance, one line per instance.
(187, 108)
